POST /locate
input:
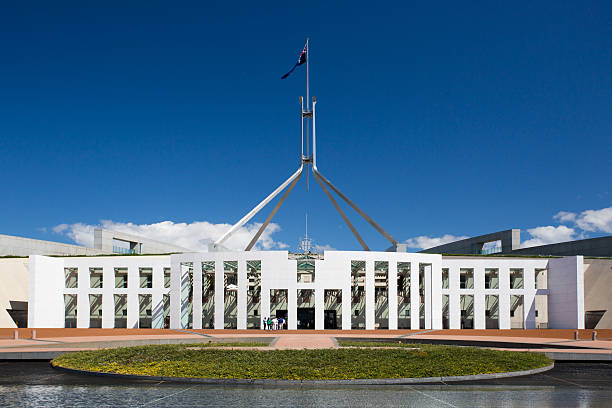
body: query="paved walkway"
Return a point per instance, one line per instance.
(50, 342)
(304, 341)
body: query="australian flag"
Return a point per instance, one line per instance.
(301, 60)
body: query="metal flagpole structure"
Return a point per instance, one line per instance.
(306, 160)
(307, 107)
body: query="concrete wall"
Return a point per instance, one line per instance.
(511, 244)
(13, 286)
(19, 246)
(510, 240)
(598, 289)
(103, 242)
(46, 286)
(566, 293)
(586, 247)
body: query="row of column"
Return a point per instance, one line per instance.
(108, 291)
(180, 313)
(503, 292)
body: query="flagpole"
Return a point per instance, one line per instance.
(307, 74)
(307, 107)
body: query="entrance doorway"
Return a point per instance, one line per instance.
(329, 317)
(306, 318)
(283, 314)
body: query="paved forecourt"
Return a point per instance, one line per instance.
(48, 343)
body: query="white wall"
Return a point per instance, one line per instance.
(503, 265)
(566, 293)
(332, 272)
(13, 286)
(46, 299)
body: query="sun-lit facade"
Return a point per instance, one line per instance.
(335, 290)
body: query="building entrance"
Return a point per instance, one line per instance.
(281, 313)
(306, 318)
(329, 317)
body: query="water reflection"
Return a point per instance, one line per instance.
(183, 395)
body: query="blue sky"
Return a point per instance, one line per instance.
(438, 119)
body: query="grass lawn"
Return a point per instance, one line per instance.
(342, 363)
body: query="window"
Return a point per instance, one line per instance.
(466, 278)
(516, 278)
(166, 277)
(95, 311)
(306, 269)
(121, 278)
(71, 277)
(491, 279)
(358, 272)
(70, 310)
(146, 277)
(95, 278)
(445, 278)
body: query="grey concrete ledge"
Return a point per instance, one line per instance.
(31, 355)
(569, 356)
(382, 381)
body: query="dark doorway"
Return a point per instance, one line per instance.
(306, 319)
(330, 319)
(19, 312)
(283, 314)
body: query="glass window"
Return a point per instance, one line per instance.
(166, 277)
(466, 278)
(445, 278)
(95, 277)
(516, 278)
(71, 277)
(491, 279)
(146, 277)
(403, 295)
(121, 277)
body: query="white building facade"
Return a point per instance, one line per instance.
(339, 290)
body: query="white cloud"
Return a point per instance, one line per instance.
(596, 220)
(195, 236)
(565, 216)
(321, 248)
(425, 242)
(588, 220)
(549, 235)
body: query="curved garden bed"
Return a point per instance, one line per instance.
(408, 361)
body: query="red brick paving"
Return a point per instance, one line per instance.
(533, 333)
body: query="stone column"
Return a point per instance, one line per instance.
(479, 298)
(133, 304)
(369, 296)
(219, 294)
(197, 294)
(427, 298)
(319, 295)
(108, 301)
(243, 284)
(392, 292)
(414, 296)
(504, 297)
